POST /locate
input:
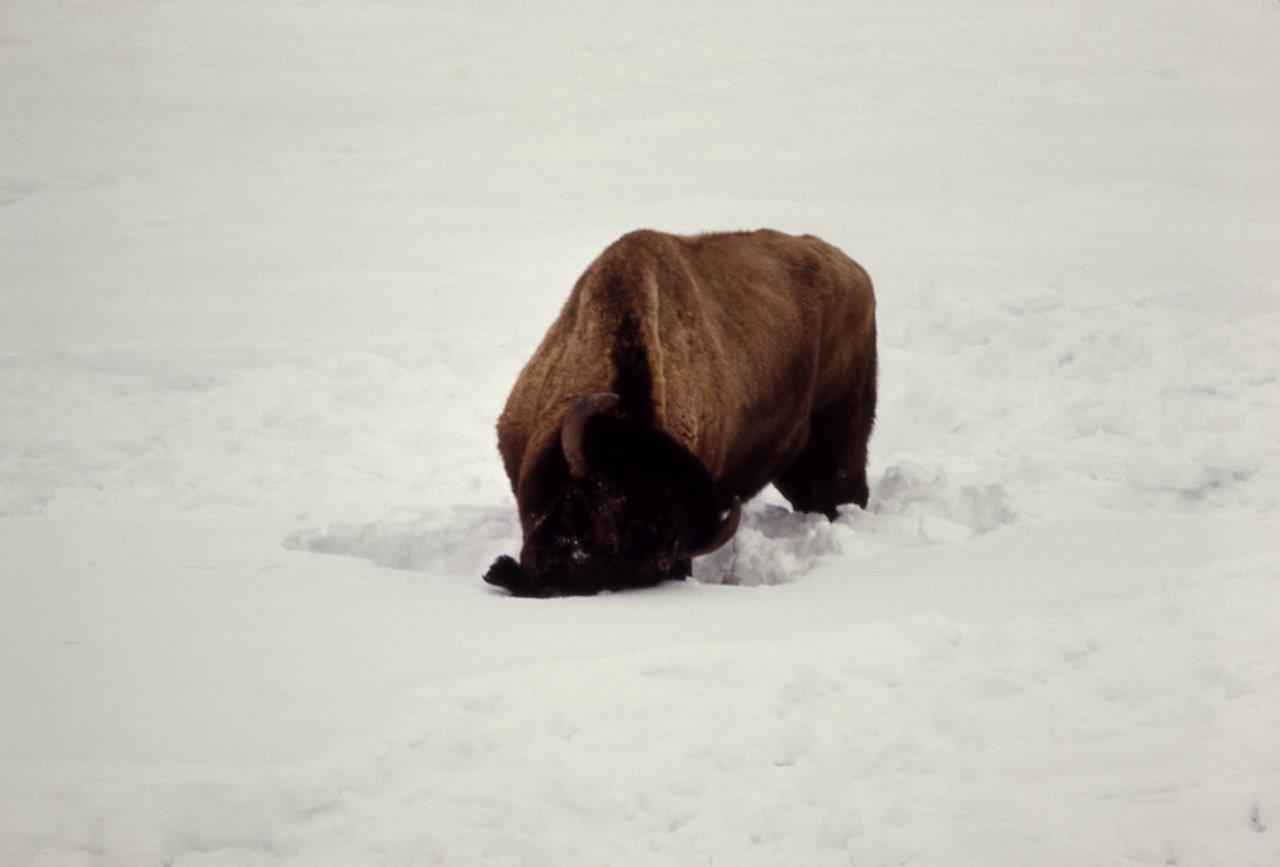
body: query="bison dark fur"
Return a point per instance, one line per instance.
(682, 376)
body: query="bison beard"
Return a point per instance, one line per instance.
(636, 515)
(682, 376)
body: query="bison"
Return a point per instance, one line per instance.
(683, 375)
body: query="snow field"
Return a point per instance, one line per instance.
(902, 706)
(1062, 731)
(268, 271)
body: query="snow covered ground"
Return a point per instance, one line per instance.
(268, 271)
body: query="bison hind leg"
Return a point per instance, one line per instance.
(831, 470)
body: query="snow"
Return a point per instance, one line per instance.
(267, 273)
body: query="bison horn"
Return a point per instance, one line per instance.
(725, 532)
(575, 423)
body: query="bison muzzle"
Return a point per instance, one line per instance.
(683, 375)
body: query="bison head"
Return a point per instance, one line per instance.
(615, 504)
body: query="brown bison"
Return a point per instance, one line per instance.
(682, 376)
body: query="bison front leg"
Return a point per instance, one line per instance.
(827, 474)
(831, 470)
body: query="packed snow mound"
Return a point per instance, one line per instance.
(912, 504)
(942, 511)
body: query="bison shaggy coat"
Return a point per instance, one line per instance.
(702, 368)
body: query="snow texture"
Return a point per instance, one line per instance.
(268, 272)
